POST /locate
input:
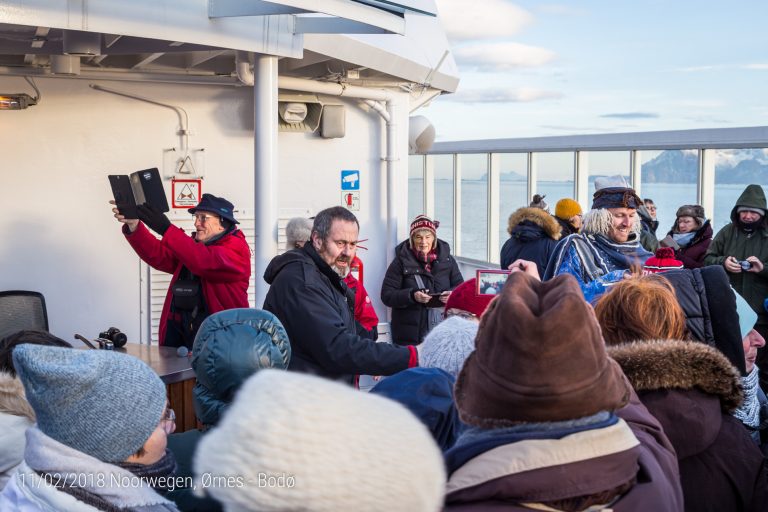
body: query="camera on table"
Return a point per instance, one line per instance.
(745, 265)
(112, 338)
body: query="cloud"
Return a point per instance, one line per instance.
(502, 56)
(482, 19)
(502, 95)
(761, 67)
(631, 115)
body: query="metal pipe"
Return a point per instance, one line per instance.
(265, 169)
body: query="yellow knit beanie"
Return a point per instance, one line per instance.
(567, 208)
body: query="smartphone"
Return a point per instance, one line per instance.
(490, 282)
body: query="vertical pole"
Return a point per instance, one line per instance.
(494, 183)
(428, 168)
(265, 169)
(635, 168)
(457, 204)
(706, 181)
(581, 167)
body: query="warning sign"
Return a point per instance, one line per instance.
(351, 200)
(186, 193)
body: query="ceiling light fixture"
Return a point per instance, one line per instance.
(20, 101)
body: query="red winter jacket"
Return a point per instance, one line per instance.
(224, 267)
(364, 311)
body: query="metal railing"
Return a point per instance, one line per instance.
(708, 144)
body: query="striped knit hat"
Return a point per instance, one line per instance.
(423, 222)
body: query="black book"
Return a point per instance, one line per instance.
(141, 187)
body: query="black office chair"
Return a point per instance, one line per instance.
(20, 309)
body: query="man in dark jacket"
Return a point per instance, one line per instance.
(741, 248)
(317, 309)
(211, 270)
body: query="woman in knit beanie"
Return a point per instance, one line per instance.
(569, 215)
(418, 282)
(690, 236)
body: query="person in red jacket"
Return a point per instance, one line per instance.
(211, 269)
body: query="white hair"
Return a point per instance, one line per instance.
(600, 221)
(297, 232)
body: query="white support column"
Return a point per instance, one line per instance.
(428, 168)
(457, 205)
(635, 168)
(706, 181)
(265, 169)
(581, 169)
(532, 176)
(494, 165)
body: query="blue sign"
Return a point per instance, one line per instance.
(350, 180)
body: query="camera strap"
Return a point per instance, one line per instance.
(189, 307)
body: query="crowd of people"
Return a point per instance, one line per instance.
(613, 370)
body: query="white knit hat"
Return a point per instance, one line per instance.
(299, 442)
(448, 344)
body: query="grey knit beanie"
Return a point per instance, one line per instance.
(99, 402)
(448, 345)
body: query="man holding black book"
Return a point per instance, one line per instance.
(211, 269)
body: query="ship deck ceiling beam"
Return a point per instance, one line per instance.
(356, 17)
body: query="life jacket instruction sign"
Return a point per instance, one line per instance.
(186, 193)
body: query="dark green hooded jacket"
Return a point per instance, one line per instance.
(733, 241)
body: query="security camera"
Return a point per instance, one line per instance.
(421, 135)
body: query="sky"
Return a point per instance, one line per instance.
(535, 68)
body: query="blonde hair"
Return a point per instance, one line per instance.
(600, 222)
(12, 398)
(641, 308)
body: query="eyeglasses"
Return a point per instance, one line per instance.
(169, 421)
(203, 218)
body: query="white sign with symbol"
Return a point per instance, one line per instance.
(351, 200)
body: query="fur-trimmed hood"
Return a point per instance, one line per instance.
(12, 398)
(673, 364)
(537, 216)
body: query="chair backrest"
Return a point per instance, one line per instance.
(21, 309)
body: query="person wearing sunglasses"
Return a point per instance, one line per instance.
(211, 269)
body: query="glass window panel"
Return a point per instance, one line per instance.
(734, 170)
(513, 192)
(443, 169)
(474, 205)
(669, 178)
(554, 177)
(607, 163)
(415, 186)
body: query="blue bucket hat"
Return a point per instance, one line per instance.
(217, 205)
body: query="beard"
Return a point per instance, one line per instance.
(342, 271)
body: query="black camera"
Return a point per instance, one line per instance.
(745, 265)
(113, 334)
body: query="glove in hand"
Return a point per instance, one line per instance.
(155, 220)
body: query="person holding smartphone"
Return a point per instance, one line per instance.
(418, 282)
